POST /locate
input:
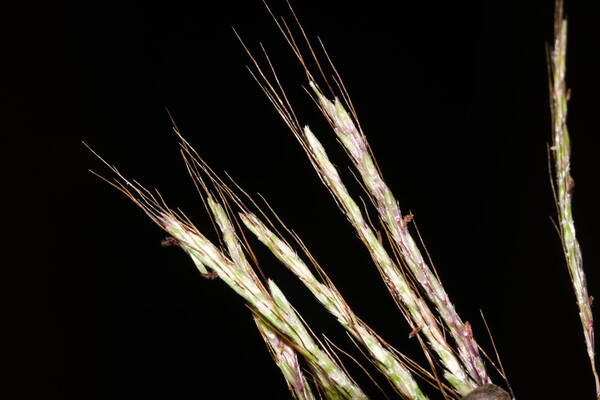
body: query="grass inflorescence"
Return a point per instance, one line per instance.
(457, 367)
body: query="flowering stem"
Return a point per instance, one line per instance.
(389, 212)
(564, 183)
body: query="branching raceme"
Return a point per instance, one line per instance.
(414, 287)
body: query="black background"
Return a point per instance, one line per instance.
(453, 97)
